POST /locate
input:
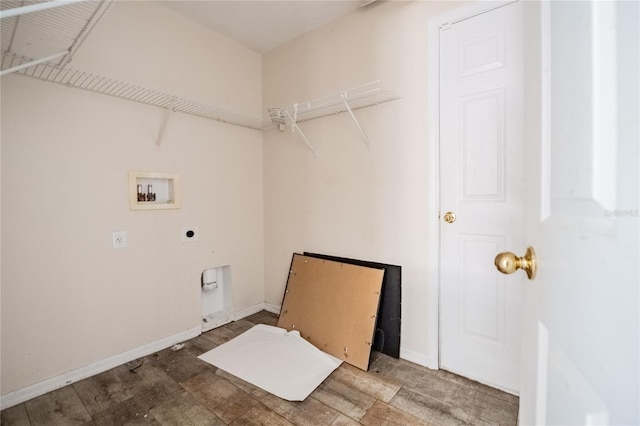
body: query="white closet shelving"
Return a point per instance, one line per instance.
(39, 39)
(120, 89)
(36, 32)
(349, 100)
(346, 101)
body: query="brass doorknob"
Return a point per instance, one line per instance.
(449, 217)
(508, 263)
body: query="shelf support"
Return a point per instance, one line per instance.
(355, 120)
(32, 63)
(295, 126)
(163, 126)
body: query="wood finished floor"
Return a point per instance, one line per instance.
(176, 388)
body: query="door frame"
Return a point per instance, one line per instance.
(433, 163)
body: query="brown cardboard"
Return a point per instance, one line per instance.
(333, 305)
(387, 335)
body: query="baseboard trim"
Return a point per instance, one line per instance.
(270, 307)
(418, 358)
(249, 311)
(32, 391)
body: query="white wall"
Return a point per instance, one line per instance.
(351, 202)
(68, 298)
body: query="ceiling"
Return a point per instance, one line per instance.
(263, 25)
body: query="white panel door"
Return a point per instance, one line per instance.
(581, 324)
(481, 182)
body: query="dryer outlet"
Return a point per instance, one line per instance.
(190, 233)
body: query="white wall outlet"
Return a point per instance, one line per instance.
(119, 239)
(190, 233)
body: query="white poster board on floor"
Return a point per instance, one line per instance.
(276, 360)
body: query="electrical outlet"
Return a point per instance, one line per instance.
(119, 239)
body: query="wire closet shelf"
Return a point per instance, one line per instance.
(39, 39)
(368, 94)
(348, 100)
(52, 31)
(120, 89)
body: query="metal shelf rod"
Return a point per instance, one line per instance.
(355, 120)
(33, 63)
(17, 11)
(295, 125)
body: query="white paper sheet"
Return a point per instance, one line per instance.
(280, 362)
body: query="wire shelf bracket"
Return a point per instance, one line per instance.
(168, 113)
(355, 120)
(363, 96)
(32, 63)
(294, 126)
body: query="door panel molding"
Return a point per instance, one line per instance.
(483, 172)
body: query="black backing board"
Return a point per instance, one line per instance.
(387, 335)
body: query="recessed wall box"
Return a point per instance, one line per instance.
(154, 190)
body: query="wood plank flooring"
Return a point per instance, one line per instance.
(176, 388)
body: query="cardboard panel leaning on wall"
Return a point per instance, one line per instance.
(334, 306)
(387, 336)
